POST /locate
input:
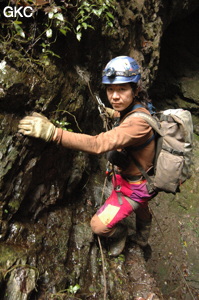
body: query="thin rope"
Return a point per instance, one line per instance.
(103, 267)
(107, 127)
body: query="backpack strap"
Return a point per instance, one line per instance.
(141, 146)
(149, 119)
(150, 185)
(154, 124)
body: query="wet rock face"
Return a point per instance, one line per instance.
(48, 194)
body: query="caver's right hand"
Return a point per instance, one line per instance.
(37, 126)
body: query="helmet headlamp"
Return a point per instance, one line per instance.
(110, 72)
(121, 69)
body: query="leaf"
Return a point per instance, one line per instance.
(17, 22)
(110, 15)
(22, 34)
(78, 27)
(43, 45)
(100, 11)
(19, 30)
(85, 25)
(63, 31)
(79, 36)
(110, 24)
(52, 53)
(49, 33)
(51, 15)
(59, 17)
(85, 3)
(90, 26)
(97, 12)
(76, 288)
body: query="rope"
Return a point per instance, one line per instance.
(107, 127)
(103, 267)
(100, 245)
(101, 107)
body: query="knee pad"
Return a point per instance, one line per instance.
(99, 228)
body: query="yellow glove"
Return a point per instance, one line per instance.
(37, 126)
(110, 112)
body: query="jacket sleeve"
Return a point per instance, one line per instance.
(133, 131)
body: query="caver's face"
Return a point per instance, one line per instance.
(120, 96)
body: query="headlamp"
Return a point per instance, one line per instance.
(110, 72)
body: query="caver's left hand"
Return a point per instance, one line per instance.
(110, 112)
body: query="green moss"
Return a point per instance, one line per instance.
(196, 137)
(185, 105)
(13, 205)
(8, 255)
(190, 88)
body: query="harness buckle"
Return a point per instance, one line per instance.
(118, 188)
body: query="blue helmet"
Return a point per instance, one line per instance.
(121, 69)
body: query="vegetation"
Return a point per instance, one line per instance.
(34, 36)
(72, 290)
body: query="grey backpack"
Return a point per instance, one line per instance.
(174, 136)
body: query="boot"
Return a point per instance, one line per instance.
(118, 240)
(142, 232)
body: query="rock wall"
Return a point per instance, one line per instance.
(48, 194)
